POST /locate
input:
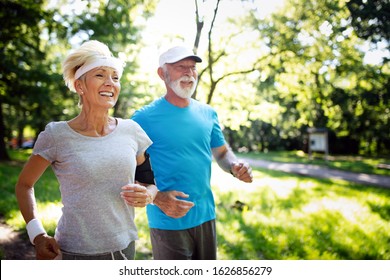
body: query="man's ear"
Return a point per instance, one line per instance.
(161, 73)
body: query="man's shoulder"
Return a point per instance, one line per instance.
(144, 113)
(202, 106)
(151, 106)
(200, 103)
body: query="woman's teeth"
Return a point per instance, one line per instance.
(109, 94)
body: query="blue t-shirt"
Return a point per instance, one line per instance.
(181, 157)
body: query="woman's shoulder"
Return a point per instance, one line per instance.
(53, 132)
(129, 123)
(56, 126)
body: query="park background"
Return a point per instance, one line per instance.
(271, 71)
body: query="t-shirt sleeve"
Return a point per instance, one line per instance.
(217, 137)
(143, 139)
(45, 145)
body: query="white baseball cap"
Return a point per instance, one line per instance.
(176, 54)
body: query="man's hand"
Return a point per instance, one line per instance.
(242, 171)
(46, 247)
(173, 207)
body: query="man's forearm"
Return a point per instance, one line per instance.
(226, 159)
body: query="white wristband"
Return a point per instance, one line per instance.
(34, 228)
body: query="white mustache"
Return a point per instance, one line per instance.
(187, 79)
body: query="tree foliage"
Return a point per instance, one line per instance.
(315, 71)
(371, 19)
(25, 74)
(114, 23)
(270, 78)
(34, 40)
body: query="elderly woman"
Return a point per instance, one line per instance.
(98, 160)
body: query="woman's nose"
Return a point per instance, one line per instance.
(109, 81)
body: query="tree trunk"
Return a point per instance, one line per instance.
(3, 149)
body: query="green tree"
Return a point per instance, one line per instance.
(216, 54)
(115, 23)
(25, 75)
(34, 41)
(371, 19)
(315, 70)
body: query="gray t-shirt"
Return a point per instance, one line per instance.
(91, 172)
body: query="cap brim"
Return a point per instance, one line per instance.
(194, 57)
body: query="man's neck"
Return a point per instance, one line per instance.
(177, 101)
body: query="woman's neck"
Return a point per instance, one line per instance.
(91, 124)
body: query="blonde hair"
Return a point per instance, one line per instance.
(87, 53)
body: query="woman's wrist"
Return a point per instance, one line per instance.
(152, 193)
(34, 228)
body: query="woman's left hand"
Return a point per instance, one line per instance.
(136, 195)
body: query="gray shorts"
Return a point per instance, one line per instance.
(198, 243)
(127, 253)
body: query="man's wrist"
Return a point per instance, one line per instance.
(156, 200)
(231, 169)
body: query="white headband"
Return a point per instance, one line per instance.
(112, 62)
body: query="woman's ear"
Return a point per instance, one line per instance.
(78, 87)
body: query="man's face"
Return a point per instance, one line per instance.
(182, 77)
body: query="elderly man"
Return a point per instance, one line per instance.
(186, 135)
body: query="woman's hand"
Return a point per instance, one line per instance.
(46, 247)
(137, 195)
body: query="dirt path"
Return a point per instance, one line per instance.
(14, 246)
(311, 170)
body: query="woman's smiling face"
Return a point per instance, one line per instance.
(101, 87)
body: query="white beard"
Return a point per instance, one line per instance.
(183, 92)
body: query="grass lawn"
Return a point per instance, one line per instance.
(278, 216)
